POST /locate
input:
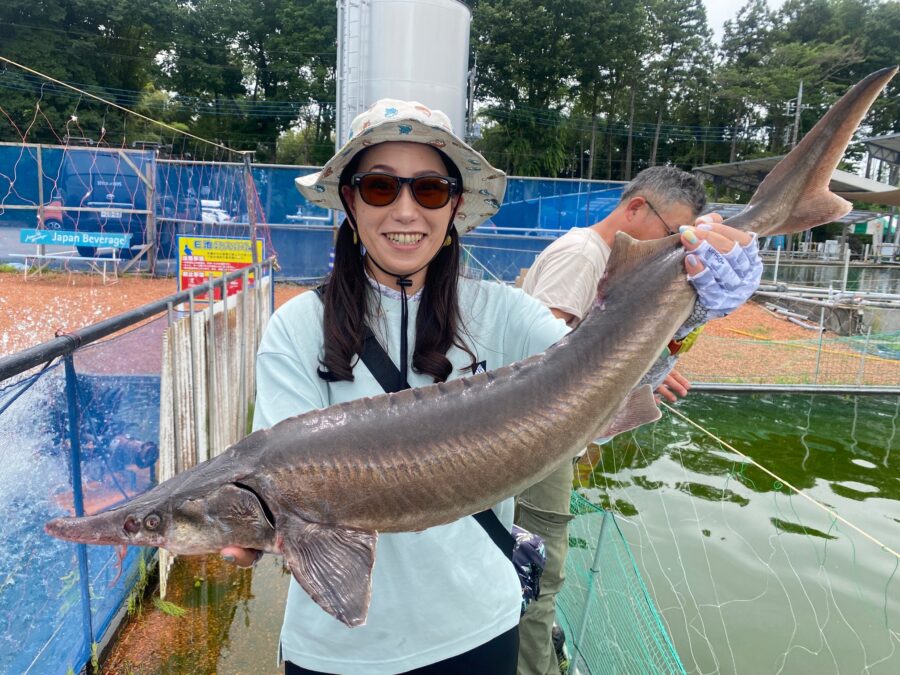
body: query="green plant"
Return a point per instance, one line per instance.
(95, 658)
(169, 608)
(136, 597)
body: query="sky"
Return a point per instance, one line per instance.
(719, 11)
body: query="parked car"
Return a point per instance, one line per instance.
(53, 212)
(101, 180)
(174, 217)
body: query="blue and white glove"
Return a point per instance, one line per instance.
(726, 281)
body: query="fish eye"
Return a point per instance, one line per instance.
(151, 522)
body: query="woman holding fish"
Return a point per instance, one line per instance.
(445, 599)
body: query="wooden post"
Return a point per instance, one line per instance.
(251, 206)
(42, 223)
(151, 216)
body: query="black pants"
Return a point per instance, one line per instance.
(497, 657)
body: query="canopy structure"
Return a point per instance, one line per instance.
(748, 174)
(884, 148)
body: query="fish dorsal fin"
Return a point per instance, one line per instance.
(637, 410)
(334, 566)
(629, 253)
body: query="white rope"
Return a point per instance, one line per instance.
(115, 105)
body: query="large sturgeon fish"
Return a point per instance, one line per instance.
(319, 487)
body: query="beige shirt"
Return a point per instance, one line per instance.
(566, 273)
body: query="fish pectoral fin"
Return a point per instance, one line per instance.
(334, 566)
(637, 410)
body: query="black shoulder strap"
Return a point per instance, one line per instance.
(375, 358)
(388, 376)
(380, 364)
(498, 534)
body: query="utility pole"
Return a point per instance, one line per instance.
(797, 110)
(470, 109)
(630, 130)
(593, 139)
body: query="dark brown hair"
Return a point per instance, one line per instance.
(438, 323)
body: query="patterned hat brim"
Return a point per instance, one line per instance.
(483, 185)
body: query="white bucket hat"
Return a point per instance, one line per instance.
(412, 122)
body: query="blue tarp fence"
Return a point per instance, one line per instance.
(210, 198)
(78, 437)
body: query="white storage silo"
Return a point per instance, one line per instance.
(407, 49)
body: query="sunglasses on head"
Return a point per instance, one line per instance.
(381, 189)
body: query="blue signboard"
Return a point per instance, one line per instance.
(70, 238)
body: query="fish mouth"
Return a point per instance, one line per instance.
(86, 530)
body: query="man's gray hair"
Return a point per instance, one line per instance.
(669, 186)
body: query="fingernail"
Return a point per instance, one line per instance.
(228, 558)
(690, 235)
(705, 226)
(691, 260)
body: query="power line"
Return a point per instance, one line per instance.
(193, 104)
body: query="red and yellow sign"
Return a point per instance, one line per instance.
(202, 258)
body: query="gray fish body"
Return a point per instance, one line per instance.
(318, 487)
(428, 456)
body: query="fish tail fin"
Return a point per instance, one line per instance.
(795, 195)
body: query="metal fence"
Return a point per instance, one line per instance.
(95, 425)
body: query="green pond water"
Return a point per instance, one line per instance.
(749, 577)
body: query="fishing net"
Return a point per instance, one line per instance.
(609, 618)
(88, 185)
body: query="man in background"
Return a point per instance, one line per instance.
(565, 277)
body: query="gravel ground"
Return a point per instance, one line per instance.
(33, 311)
(744, 347)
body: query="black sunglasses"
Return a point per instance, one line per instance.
(381, 189)
(669, 230)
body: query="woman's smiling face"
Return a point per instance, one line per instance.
(402, 236)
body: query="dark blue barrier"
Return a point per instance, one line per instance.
(303, 253)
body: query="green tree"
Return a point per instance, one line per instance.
(610, 38)
(522, 50)
(105, 47)
(683, 59)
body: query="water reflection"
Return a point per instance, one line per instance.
(839, 442)
(227, 627)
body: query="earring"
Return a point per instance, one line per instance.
(448, 241)
(355, 239)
